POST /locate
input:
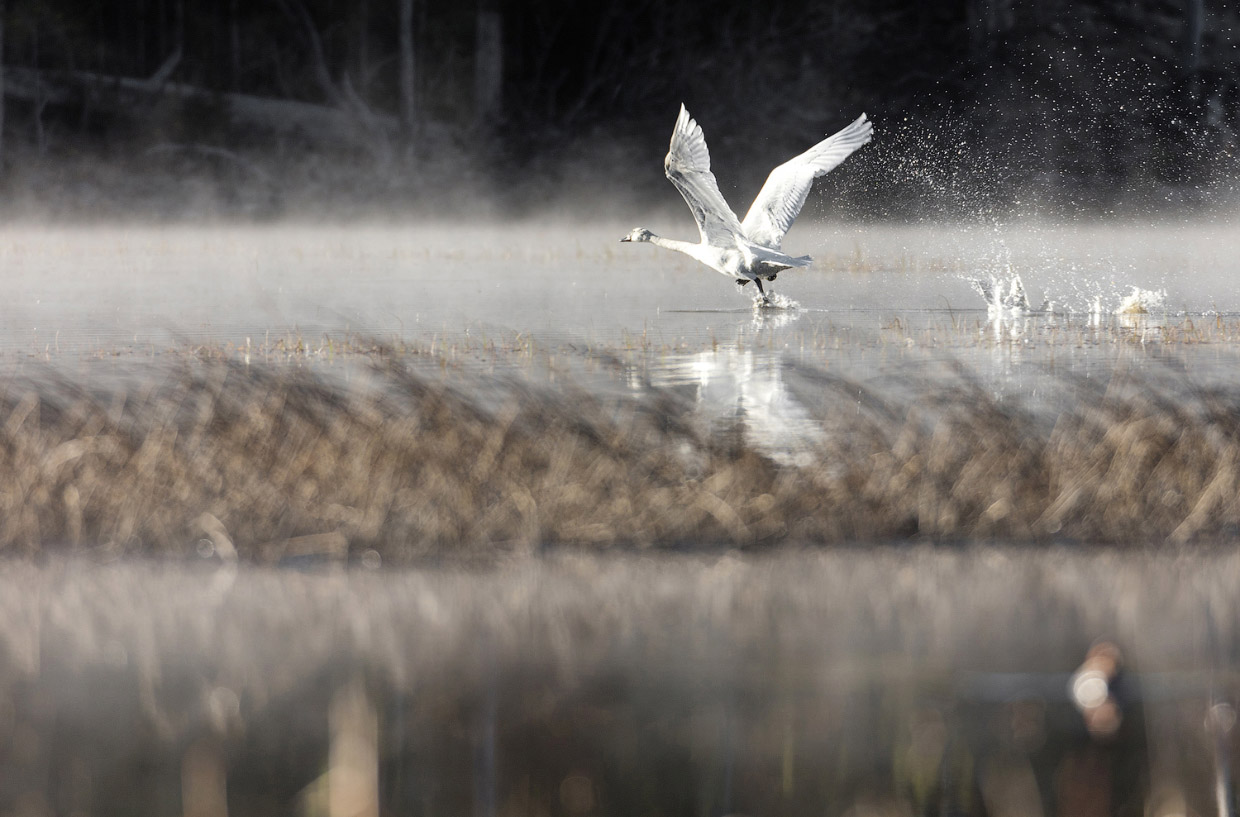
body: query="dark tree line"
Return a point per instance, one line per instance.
(978, 102)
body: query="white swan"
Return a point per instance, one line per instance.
(748, 250)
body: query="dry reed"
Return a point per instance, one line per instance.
(271, 462)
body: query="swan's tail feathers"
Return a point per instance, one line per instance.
(778, 262)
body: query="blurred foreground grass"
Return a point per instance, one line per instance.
(877, 681)
(267, 463)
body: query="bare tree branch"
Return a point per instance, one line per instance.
(296, 11)
(320, 122)
(164, 72)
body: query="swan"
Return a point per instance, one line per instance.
(746, 250)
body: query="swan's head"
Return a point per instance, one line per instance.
(639, 234)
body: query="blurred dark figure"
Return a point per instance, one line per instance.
(1106, 773)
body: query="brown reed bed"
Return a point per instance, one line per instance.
(269, 462)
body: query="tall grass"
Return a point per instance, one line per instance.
(272, 462)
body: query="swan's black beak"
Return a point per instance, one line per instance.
(626, 238)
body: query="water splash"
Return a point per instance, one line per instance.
(775, 300)
(1005, 295)
(1142, 301)
(773, 318)
(1070, 290)
(1096, 312)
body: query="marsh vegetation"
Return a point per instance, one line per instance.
(284, 459)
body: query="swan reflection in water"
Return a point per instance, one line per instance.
(741, 386)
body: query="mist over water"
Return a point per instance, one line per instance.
(886, 305)
(353, 467)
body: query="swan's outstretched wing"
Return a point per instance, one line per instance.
(688, 166)
(782, 197)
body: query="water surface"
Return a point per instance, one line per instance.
(888, 307)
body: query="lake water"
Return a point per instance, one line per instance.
(884, 681)
(889, 307)
(129, 287)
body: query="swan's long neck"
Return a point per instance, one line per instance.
(687, 247)
(712, 257)
(708, 255)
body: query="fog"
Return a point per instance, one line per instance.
(353, 466)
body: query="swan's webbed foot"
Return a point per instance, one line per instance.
(740, 282)
(766, 301)
(771, 277)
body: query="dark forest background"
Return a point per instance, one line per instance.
(271, 107)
